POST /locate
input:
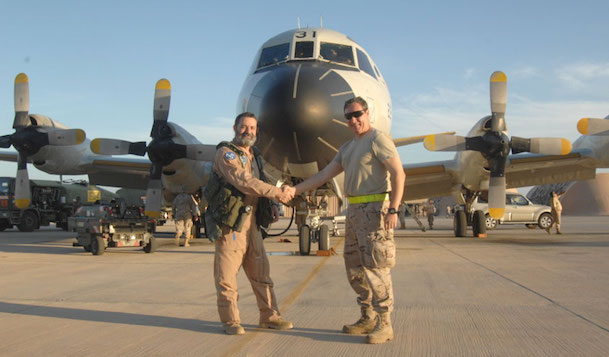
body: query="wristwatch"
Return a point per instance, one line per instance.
(392, 211)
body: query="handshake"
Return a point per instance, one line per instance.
(286, 194)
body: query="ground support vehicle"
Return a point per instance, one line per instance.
(103, 226)
(52, 202)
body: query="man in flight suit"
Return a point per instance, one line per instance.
(235, 163)
(374, 184)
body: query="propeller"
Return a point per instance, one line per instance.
(29, 138)
(593, 126)
(495, 145)
(161, 151)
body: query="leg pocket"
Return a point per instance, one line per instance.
(383, 253)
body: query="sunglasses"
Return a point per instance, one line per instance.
(356, 114)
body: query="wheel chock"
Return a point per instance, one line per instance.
(481, 235)
(325, 253)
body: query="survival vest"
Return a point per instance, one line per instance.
(226, 203)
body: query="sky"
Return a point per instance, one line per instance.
(94, 65)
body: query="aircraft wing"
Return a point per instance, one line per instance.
(432, 179)
(119, 172)
(534, 169)
(436, 179)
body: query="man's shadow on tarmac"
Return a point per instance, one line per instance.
(211, 327)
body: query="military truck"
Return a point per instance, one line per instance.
(103, 225)
(52, 202)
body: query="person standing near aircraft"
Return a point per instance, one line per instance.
(184, 210)
(374, 184)
(556, 212)
(429, 209)
(238, 241)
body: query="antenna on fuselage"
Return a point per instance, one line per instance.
(298, 22)
(321, 22)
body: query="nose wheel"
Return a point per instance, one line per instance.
(308, 235)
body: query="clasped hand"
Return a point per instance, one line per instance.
(286, 194)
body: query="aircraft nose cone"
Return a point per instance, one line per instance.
(300, 113)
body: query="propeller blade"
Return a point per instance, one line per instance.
(498, 100)
(162, 98)
(444, 143)
(64, 137)
(547, 146)
(22, 184)
(416, 139)
(592, 126)
(496, 197)
(22, 101)
(117, 147)
(201, 152)
(154, 192)
(5, 141)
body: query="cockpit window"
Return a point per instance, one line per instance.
(364, 63)
(274, 54)
(304, 49)
(336, 53)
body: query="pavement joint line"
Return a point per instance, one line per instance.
(522, 286)
(284, 305)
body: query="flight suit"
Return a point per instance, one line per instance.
(244, 248)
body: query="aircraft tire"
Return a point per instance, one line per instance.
(460, 224)
(29, 222)
(97, 245)
(478, 223)
(304, 240)
(324, 237)
(4, 224)
(151, 246)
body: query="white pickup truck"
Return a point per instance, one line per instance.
(518, 210)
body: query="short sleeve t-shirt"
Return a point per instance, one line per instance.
(362, 160)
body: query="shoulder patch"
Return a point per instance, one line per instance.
(230, 155)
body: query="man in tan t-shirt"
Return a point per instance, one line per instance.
(374, 184)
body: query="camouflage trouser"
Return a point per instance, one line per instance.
(369, 255)
(245, 248)
(183, 226)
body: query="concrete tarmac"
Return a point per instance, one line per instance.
(519, 292)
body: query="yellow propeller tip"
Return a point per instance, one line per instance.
(80, 136)
(565, 146)
(22, 203)
(21, 78)
(582, 126)
(430, 142)
(153, 214)
(95, 145)
(498, 77)
(496, 213)
(163, 84)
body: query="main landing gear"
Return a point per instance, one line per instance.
(476, 220)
